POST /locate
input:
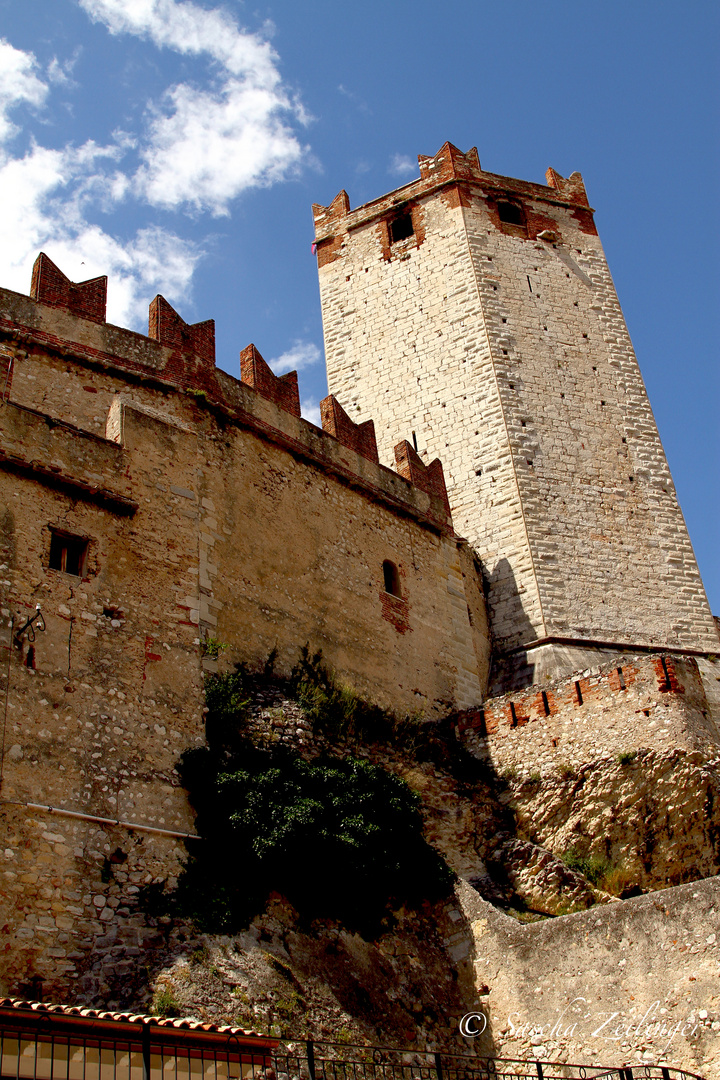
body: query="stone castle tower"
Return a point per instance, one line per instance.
(475, 314)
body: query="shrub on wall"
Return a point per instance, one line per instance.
(338, 837)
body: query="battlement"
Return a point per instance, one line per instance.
(280, 389)
(358, 437)
(628, 703)
(451, 168)
(181, 356)
(86, 299)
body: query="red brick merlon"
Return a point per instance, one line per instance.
(167, 327)
(429, 478)
(358, 437)
(280, 389)
(86, 299)
(192, 363)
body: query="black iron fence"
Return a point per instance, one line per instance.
(152, 1052)
(337, 1061)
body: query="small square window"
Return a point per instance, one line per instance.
(68, 553)
(401, 228)
(511, 214)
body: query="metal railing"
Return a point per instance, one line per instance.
(338, 1061)
(153, 1055)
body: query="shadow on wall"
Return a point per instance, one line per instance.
(508, 619)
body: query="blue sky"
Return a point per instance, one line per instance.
(177, 145)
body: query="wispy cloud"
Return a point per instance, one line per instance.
(204, 146)
(401, 165)
(360, 104)
(60, 71)
(45, 196)
(18, 84)
(301, 354)
(200, 147)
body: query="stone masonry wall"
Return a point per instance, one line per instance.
(203, 510)
(650, 702)
(503, 349)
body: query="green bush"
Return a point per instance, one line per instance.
(338, 837)
(592, 867)
(164, 1003)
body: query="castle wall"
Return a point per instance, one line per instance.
(507, 355)
(625, 984)
(204, 509)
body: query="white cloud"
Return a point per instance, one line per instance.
(302, 354)
(401, 165)
(310, 410)
(186, 28)
(205, 146)
(211, 146)
(40, 214)
(18, 83)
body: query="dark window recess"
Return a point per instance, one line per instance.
(401, 227)
(67, 553)
(511, 214)
(391, 578)
(621, 678)
(546, 705)
(578, 694)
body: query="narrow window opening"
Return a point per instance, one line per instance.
(513, 715)
(401, 228)
(414, 437)
(68, 553)
(621, 678)
(529, 283)
(546, 703)
(578, 693)
(391, 578)
(511, 214)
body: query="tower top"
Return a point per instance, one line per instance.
(451, 168)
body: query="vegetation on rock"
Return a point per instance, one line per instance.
(337, 836)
